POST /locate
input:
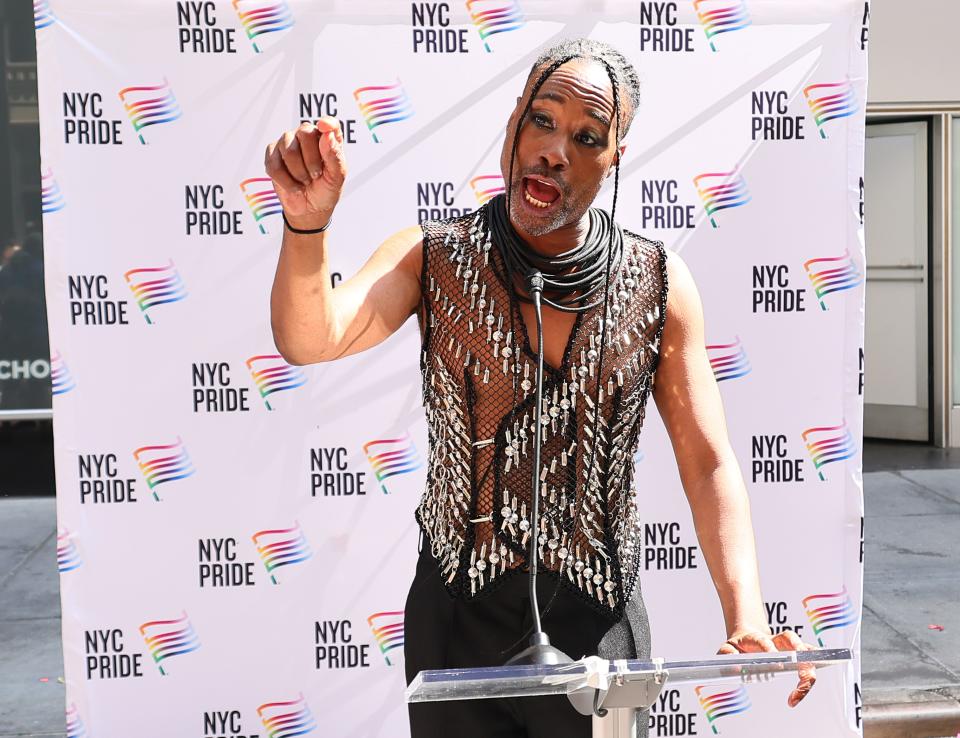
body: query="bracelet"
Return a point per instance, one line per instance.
(304, 231)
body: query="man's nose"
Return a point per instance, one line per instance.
(554, 153)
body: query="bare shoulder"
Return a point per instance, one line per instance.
(683, 300)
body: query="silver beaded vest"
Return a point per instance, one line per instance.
(478, 373)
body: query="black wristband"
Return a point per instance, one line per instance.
(304, 231)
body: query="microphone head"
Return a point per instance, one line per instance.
(534, 281)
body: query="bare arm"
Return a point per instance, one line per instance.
(688, 399)
(311, 320)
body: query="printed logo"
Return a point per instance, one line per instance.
(163, 464)
(721, 16)
(669, 715)
(392, 456)
(830, 274)
(281, 547)
(487, 186)
(51, 198)
(718, 705)
(829, 612)
(198, 33)
(168, 638)
(663, 548)
(261, 198)
(42, 14)
(495, 16)
(75, 726)
(152, 286)
(262, 16)
(287, 719)
(728, 360)
(661, 206)
(387, 628)
(272, 374)
(61, 379)
(68, 557)
(149, 105)
(721, 190)
(382, 104)
(828, 444)
(829, 101)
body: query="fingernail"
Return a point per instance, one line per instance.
(315, 174)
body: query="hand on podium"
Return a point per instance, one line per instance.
(753, 641)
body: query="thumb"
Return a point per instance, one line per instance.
(727, 648)
(331, 152)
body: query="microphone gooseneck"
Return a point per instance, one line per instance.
(539, 651)
(535, 288)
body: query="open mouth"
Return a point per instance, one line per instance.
(540, 192)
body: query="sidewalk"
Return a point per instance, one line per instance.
(911, 579)
(912, 556)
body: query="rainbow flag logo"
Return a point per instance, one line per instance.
(42, 14)
(721, 16)
(721, 190)
(262, 16)
(728, 360)
(829, 101)
(51, 198)
(287, 719)
(829, 611)
(152, 286)
(392, 456)
(486, 187)
(828, 444)
(281, 547)
(495, 16)
(149, 105)
(75, 727)
(832, 274)
(272, 374)
(167, 638)
(163, 464)
(387, 628)
(61, 380)
(718, 705)
(382, 104)
(261, 198)
(68, 558)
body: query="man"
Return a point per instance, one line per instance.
(612, 334)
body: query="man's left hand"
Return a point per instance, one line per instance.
(757, 641)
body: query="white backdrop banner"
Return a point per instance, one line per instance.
(236, 535)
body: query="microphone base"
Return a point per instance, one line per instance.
(540, 653)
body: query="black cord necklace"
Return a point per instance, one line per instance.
(566, 290)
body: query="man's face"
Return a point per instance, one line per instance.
(566, 148)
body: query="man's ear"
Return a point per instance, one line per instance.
(617, 158)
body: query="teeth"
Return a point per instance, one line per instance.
(535, 201)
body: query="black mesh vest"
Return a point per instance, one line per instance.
(476, 360)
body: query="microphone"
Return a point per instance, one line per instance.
(539, 651)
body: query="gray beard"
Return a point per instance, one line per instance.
(561, 217)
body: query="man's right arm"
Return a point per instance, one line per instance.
(311, 320)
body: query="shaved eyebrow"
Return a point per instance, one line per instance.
(558, 98)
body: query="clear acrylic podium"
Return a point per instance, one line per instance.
(612, 691)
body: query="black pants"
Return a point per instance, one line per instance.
(444, 633)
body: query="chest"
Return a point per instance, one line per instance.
(557, 329)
